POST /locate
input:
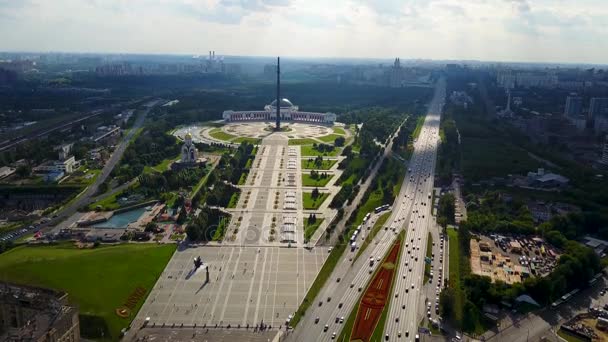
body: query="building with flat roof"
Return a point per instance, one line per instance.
(574, 106)
(289, 112)
(32, 314)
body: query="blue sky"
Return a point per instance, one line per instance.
(505, 30)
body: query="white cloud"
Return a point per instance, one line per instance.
(539, 30)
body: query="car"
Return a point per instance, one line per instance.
(378, 259)
(337, 319)
(399, 334)
(403, 275)
(333, 335)
(406, 290)
(316, 320)
(352, 285)
(386, 337)
(338, 280)
(407, 334)
(397, 320)
(330, 249)
(325, 327)
(320, 302)
(396, 294)
(359, 289)
(328, 299)
(341, 320)
(412, 285)
(340, 306)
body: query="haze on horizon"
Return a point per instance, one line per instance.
(497, 30)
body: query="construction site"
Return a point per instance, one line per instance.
(511, 259)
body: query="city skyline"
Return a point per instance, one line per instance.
(501, 30)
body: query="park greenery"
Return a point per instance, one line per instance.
(83, 273)
(208, 225)
(480, 148)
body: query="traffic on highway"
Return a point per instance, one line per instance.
(411, 212)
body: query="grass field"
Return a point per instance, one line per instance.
(310, 164)
(217, 133)
(454, 273)
(308, 151)
(339, 130)
(161, 167)
(234, 199)
(329, 138)
(419, 124)
(313, 203)
(569, 337)
(304, 141)
(254, 141)
(97, 280)
(310, 229)
(307, 180)
(374, 231)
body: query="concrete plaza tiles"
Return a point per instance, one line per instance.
(247, 285)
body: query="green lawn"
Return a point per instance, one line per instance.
(217, 133)
(161, 167)
(307, 180)
(313, 203)
(303, 141)
(107, 203)
(454, 273)
(97, 280)
(243, 178)
(234, 200)
(325, 165)
(419, 124)
(254, 141)
(339, 130)
(375, 229)
(330, 138)
(429, 252)
(310, 229)
(308, 150)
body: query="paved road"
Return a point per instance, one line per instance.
(407, 307)
(337, 299)
(85, 197)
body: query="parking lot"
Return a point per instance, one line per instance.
(511, 259)
(247, 285)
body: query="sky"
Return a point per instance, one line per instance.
(490, 30)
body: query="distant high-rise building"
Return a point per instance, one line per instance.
(598, 108)
(574, 105)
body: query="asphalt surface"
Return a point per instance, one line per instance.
(337, 299)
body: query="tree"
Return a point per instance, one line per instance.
(150, 227)
(319, 161)
(315, 193)
(339, 142)
(24, 170)
(183, 215)
(447, 207)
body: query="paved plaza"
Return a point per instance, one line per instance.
(247, 285)
(254, 129)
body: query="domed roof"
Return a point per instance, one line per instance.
(285, 103)
(188, 136)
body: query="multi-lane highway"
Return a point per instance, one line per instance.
(326, 317)
(407, 307)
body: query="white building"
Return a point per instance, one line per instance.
(189, 152)
(289, 112)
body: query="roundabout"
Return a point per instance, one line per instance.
(237, 132)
